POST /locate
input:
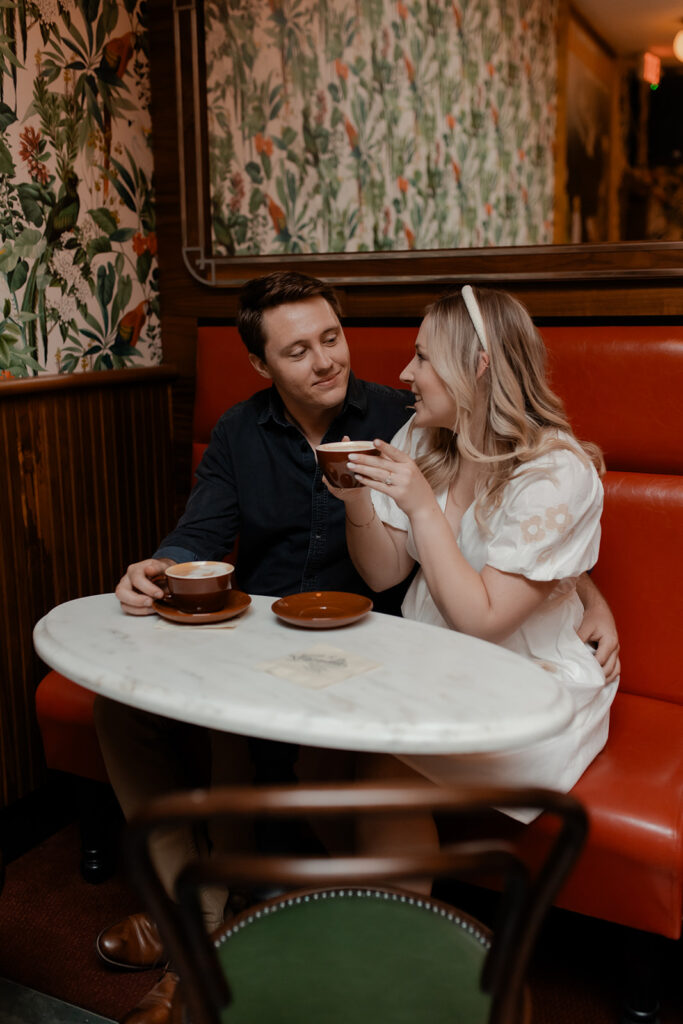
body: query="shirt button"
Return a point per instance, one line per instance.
(317, 536)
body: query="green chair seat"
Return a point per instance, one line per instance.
(354, 956)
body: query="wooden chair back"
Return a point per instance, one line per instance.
(524, 900)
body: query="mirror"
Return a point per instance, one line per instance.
(277, 159)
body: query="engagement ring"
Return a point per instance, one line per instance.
(388, 481)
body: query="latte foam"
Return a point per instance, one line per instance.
(199, 570)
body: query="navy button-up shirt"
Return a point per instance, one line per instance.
(259, 480)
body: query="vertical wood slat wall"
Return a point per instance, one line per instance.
(85, 488)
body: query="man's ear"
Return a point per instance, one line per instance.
(260, 366)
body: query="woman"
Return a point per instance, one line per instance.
(487, 489)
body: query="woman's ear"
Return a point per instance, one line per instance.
(483, 364)
(260, 366)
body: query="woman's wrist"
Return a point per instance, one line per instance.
(425, 511)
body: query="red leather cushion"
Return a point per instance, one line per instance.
(639, 573)
(631, 870)
(622, 388)
(224, 376)
(64, 711)
(380, 353)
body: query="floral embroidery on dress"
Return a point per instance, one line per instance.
(532, 529)
(558, 518)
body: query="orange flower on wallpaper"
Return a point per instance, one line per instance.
(402, 10)
(263, 145)
(450, 121)
(29, 151)
(402, 184)
(277, 215)
(341, 68)
(144, 243)
(409, 236)
(351, 133)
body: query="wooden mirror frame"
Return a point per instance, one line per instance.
(624, 262)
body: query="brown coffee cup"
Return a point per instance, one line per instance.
(198, 586)
(333, 457)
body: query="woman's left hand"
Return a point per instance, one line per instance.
(393, 472)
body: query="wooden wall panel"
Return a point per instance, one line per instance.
(86, 487)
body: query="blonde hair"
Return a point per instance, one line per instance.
(523, 415)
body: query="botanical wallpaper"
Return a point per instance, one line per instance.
(380, 124)
(78, 268)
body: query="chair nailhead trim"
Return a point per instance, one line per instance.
(367, 893)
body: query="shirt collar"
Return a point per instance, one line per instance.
(274, 409)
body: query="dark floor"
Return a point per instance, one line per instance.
(49, 918)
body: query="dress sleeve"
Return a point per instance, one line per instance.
(386, 508)
(548, 524)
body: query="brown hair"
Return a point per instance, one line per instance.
(262, 293)
(523, 414)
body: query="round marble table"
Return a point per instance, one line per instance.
(402, 686)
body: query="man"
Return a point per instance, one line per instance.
(259, 479)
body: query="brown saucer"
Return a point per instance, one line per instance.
(322, 609)
(236, 601)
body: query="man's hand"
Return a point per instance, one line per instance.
(598, 627)
(136, 591)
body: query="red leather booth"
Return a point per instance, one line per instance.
(622, 387)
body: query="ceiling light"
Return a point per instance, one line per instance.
(678, 45)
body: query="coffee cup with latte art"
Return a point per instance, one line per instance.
(198, 586)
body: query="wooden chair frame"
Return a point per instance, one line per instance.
(525, 900)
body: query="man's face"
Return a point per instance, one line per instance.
(306, 356)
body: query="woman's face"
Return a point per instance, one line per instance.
(434, 406)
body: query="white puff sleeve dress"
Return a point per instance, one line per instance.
(547, 527)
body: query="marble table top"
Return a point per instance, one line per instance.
(381, 684)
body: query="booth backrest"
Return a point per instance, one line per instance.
(639, 574)
(622, 386)
(623, 389)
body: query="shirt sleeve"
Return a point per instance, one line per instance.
(548, 525)
(388, 511)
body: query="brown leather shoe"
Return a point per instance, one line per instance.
(133, 944)
(155, 1007)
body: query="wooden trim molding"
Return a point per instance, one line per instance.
(96, 379)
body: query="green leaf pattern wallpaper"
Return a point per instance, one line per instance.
(78, 268)
(380, 125)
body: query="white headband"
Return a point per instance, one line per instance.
(475, 316)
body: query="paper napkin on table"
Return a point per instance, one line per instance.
(318, 666)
